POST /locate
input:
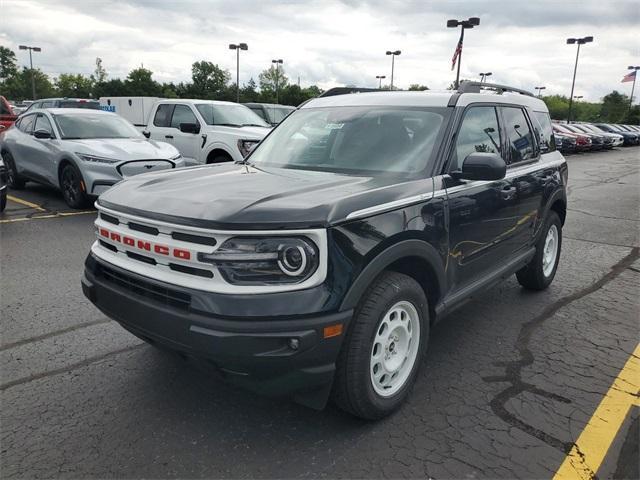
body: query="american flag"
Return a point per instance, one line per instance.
(456, 54)
(629, 77)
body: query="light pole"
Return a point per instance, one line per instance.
(33, 80)
(237, 48)
(540, 90)
(579, 41)
(577, 97)
(393, 57)
(633, 87)
(483, 76)
(380, 77)
(469, 23)
(277, 63)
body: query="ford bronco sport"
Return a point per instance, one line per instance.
(316, 268)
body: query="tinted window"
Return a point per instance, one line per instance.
(547, 139)
(519, 136)
(163, 115)
(182, 114)
(26, 124)
(479, 132)
(355, 140)
(42, 123)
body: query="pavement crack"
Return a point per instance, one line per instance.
(18, 343)
(602, 216)
(513, 369)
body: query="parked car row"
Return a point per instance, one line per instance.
(580, 137)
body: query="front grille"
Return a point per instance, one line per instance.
(143, 228)
(166, 296)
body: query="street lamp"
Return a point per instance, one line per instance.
(540, 90)
(579, 41)
(577, 97)
(469, 23)
(277, 63)
(33, 80)
(483, 76)
(393, 57)
(380, 77)
(237, 48)
(633, 87)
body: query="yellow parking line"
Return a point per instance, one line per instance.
(54, 215)
(592, 445)
(25, 203)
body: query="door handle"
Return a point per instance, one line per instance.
(168, 136)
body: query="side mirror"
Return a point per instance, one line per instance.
(42, 134)
(482, 166)
(190, 128)
(146, 133)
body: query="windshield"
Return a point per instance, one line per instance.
(356, 140)
(94, 126)
(277, 114)
(233, 115)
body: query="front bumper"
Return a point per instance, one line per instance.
(253, 352)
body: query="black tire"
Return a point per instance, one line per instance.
(72, 187)
(353, 389)
(219, 158)
(14, 181)
(533, 276)
(3, 200)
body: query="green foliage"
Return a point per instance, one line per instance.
(209, 80)
(18, 86)
(615, 107)
(99, 74)
(269, 79)
(139, 82)
(416, 87)
(8, 66)
(70, 85)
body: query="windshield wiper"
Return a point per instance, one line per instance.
(252, 125)
(228, 125)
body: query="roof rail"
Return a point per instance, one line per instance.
(346, 90)
(476, 87)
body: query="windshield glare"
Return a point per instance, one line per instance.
(94, 126)
(356, 140)
(236, 115)
(277, 114)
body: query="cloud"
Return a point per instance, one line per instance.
(333, 42)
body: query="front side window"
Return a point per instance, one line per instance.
(182, 114)
(94, 125)
(354, 140)
(479, 132)
(229, 115)
(43, 123)
(519, 135)
(258, 111)
(26, 124)
(163, 114)
(547, 139)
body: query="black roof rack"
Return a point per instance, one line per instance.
(346, 90)
(476, 87)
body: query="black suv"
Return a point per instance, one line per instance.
(317, 267)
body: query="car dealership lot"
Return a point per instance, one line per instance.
(511, 380)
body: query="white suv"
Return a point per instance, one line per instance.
(206, 131)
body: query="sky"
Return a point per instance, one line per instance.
(333, 43)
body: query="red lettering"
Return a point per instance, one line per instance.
(144, 245)
(161, 249)
(182, 254)
(128, 241)
(104, 232)
(115, 237)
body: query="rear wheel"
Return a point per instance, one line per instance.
(541, 270)
(14, 180)
(379, 360)
(72, 187)
(219, 158)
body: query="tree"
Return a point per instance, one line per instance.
(140, 83)
(100, 74)
(18, 86)
(70, 85)
(615, 107)
(209, 80)
(558, 106)
(8, 66)
(269, 79)
(416, 87)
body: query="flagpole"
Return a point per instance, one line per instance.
(633, 86)
(460, 58)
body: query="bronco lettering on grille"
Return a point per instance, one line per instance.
(158, 248)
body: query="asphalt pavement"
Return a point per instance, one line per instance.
(514, 384)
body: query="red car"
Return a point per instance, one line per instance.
(6, 114)
(583, 142)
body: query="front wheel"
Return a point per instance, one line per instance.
(3, 199)
(379, 360)
(72, 187)
(541, 270)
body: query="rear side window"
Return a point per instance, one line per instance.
(547, 138)
(26, 124)
(519, 135)
(163, 115)
(182, 114)
(479, 132)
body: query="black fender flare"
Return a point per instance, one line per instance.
(402, 249)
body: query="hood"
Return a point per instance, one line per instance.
(242, 133)
(122, 148)
(228, 196)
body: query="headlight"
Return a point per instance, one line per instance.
(264, 261)
(245, 146)
(96, 159)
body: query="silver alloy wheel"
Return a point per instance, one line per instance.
(395, 348)
(550, 252)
